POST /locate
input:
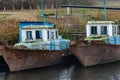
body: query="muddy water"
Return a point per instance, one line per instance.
(70, 71)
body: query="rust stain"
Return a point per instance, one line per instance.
(21, 59)
(95, 53)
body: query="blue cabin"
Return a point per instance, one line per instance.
(41, 35)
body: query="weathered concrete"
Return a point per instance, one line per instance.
(21, 59)
(95, 54)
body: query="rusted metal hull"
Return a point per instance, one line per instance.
(94, 54)
(21, 59)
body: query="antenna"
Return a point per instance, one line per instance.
(42, 6)
(104, 10)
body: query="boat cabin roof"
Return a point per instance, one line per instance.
(101, 22)
(36, 25)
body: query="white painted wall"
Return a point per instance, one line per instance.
(44, 35)
(88, 30)
(109, 29)
(24, 34)
(33, 34)
(110, 32)
(98, 30)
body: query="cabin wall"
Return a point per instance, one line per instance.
(110, 29)
(98, 30)
(24, 37)
(44, 34)
(88, 30)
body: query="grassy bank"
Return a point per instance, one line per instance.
(75, 22)
(2, 16)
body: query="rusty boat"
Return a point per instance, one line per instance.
(39, 46)
(101, 45)
(22, 59)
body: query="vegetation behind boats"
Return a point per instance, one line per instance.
(9, 29)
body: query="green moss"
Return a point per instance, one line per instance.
(96, 37)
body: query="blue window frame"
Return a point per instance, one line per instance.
(29, 34)
(39, 34)
(104, 29)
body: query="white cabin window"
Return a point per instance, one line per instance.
(103, 29)
(52, 35)
(93, 29)
(29, 35)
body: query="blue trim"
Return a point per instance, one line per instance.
(104, 10)
(36, 24)
(20, 34)
(40, 32)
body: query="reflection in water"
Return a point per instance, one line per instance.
(3, 76)
(66, 73)
(101, 72)
(69, 72)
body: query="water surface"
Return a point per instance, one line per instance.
(73, 71)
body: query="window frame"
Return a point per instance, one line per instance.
(103, 30)
(28, 35)
(95, 30)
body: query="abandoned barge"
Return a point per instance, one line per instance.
(101, 45)
(40, 46)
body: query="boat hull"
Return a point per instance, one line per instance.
(94, 54)
(21, 59)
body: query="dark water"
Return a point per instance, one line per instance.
(73, 71)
